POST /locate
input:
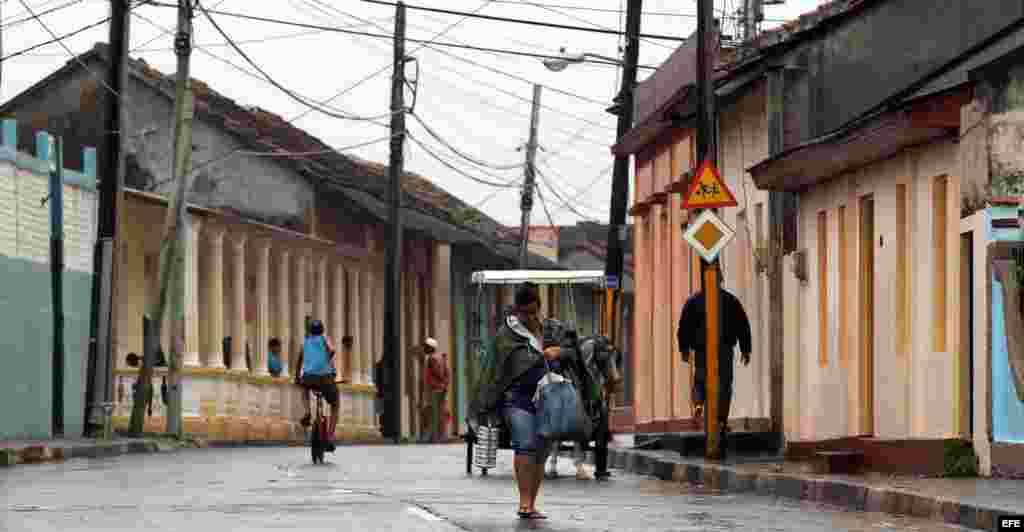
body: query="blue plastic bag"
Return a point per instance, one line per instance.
(560, 412)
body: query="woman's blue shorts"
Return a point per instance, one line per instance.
(526, 441)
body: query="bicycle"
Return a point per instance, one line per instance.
(318, 438)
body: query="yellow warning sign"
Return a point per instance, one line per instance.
(708, 190)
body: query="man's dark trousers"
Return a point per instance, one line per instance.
(726, 361)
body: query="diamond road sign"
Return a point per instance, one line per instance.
(708, 235)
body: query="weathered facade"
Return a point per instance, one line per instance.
(880, 124)
(282, 229)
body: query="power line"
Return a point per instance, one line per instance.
(528, 22)
(619, 11)
(54, 40)
(565, 204)
(508, 184)
(274, 82)
(60, 40)
(596, 25)
(388, 65)
(459, 152)
(13, 23)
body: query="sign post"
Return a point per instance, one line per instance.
(708, 235)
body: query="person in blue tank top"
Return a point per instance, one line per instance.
(316, 361)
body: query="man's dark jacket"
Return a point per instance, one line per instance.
(516, 350)
(735, 327)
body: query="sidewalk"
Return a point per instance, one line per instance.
(970, 502)
(15, 452)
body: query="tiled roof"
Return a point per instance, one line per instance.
(433, 209)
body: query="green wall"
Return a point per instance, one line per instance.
(26, 338)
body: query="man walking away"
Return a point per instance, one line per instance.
(435, 380)
(734, 327)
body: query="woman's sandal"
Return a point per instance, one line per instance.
(532, 515)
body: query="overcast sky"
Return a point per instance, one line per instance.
(482, 110)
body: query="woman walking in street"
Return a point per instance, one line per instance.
(521, 362)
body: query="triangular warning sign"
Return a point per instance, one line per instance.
(708, 190)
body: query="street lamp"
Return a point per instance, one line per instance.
(559, 64)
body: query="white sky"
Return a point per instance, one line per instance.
(470, 106)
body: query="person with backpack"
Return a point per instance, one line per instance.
(521, 361)
(316, 360)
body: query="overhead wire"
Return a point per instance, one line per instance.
(282, 88)
(596, 25)
(459, 152)
(74, 56)
(7, 25)
(377, 72)
(510, 184)
(566, 204)
(527, 22)
(620, 11)
(489, 68)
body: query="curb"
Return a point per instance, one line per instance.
(844, 494)
(39, 454)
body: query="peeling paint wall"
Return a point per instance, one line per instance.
(881, 52)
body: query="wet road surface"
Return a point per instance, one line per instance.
(378, 488)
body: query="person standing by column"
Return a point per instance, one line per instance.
(734, 327)
(435, 383)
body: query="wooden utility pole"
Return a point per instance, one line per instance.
(710, 281)
(393, 288)
(530, 173)
(615, 258)
(100, 380)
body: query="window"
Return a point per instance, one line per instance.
(823, 289)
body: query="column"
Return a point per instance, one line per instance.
(298, 303)
(320, 291)
(442, 312)
(337, 313)
(366, 327)
(190, 356)
(283, 309)
(259, 348)
(215, 298)
(354, 310)
(238, 285)
(661, 364)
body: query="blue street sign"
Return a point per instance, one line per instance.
(612, 281)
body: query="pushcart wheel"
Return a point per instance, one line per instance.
(483, 472)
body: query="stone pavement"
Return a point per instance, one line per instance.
(971, 502)
(382, 488)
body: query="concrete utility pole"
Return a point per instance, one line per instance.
(393, 289)
(710, 281)
(100, 381)
(529, 174)
(753, 12)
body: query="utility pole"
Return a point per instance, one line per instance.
(710, 278)
(753, 12)
(56, 199)
(171, 300)
(393, 289)
(614, 260)
(100, 382)
(529, 174)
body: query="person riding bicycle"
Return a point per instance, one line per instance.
(317, 362)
